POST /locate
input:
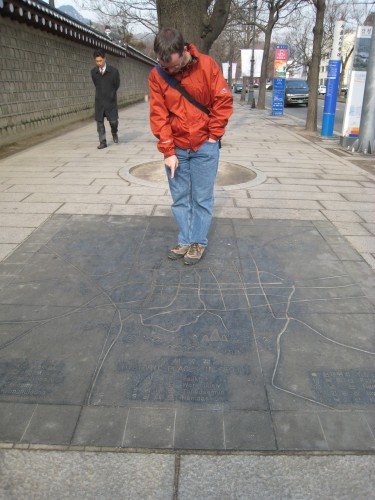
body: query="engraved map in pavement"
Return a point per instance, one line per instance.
(92, 313)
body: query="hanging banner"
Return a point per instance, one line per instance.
(354, 101)
(225, 70)
(234, 67)
(246, 56)
(279, 73)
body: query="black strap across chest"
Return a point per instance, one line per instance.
(176, 85)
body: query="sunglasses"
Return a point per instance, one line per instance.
(173, 66)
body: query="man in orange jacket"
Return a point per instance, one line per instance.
(188, 137)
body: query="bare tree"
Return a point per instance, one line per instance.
(200, 21)
(130, 15)
(318, 30)
(279, 11)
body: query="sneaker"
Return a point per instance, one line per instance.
(194, 254)
(178, 252)
(115, 137)
(102, 145)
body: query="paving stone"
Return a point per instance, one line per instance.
(14, 418)
(298, 431)
(265, 477)
(347, 431)
(248, 431)
(150, 428)
(68, 474)
(52, 424)
(101, 426)
(199, 430)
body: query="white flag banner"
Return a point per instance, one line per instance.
(246, 56)
(234, 67)
(225, 70)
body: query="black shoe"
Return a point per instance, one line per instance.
(115, 138)
(102, 145)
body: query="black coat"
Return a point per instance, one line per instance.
(106, 93)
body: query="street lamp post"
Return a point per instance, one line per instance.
(250, 97)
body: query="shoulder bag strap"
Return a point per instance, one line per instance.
(176, 85)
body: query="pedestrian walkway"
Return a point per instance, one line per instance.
(263, 350)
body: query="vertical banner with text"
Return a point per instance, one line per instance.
(279, 75)
(333, 80)
(354, 100)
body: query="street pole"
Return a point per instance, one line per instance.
(366, 140)
(250, 97)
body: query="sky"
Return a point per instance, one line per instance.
(76, 5)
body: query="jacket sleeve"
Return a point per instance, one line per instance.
(117, 79)
(93, 76)
(159, 118)
(222, 103)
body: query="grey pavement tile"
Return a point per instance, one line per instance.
(30, 211)
(19, 257)
(249, 431)
(367, 216)
(14, 418)
(199, 430)
(370, 419)
(276, 477)
(52, 424)
(348, 205)
(370, 227)
(364, 276)
(298, 431)
(149, 428)
(354, 229)
(363, 243)
(347, 431)
(84, 208)
(68, 474)
(286, 213)
(22, 220)
(342, 216)
(11, 235)
(6, 249)
(341, 248)
(100, 426)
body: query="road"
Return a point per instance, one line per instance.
(299, 111)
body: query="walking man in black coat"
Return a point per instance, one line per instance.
(106, 79)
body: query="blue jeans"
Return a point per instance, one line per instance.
(192, 190)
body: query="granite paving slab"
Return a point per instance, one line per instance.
(267, 344)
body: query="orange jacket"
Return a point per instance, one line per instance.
(177, 122)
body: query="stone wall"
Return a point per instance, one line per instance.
(45, 80)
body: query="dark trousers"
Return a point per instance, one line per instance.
(101, 129)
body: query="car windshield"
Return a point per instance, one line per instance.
(297, 85)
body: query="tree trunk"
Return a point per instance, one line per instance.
(192, 19)
(311, 120)
(266, 54)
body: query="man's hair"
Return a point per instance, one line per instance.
(167, 42)
(99, 53)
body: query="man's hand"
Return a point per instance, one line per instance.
(212, 140)
(172, 163)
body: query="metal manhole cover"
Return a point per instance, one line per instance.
(229, 173)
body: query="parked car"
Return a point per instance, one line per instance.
(322, 90)
(238, 88)
(296, 91)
